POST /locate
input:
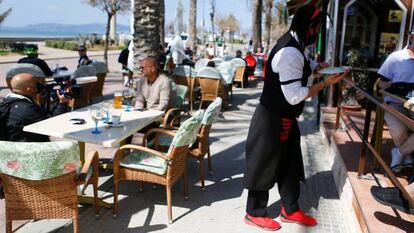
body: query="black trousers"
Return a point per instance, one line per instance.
(288, 183)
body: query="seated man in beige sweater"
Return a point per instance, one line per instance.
(154, 89)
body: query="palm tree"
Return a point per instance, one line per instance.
(4, 15)
(257, 6)
(268, 22)
(192, 23)
(110, 7)
(146, 29)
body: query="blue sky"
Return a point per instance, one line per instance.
(78, 12)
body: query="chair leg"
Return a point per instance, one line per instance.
(115, 207)
(9, 226)
(168, 190)
(185, 180)
(210, 165)
(76, 224)
(95, 198)
(201, 171)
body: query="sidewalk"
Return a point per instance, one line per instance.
(221, 207)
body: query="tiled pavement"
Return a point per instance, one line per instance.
(221, 207)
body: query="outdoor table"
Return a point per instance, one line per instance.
(60, 126)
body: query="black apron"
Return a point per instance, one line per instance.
(271, 148)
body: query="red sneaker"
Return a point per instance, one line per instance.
(265, 223)
(297, 217)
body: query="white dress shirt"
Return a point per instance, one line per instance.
(289, 62)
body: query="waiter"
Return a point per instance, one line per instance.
(273, 153)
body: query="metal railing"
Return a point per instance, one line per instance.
(376, 139)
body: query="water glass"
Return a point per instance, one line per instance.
(106, 107)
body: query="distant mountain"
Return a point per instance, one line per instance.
(54, 29)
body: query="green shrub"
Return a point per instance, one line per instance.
(70, 45)
(61, 44)
(17, 47)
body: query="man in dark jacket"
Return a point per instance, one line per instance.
(31, 50)
(83, 58)
(25, 111)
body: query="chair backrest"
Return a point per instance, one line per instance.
(200, 64)
(100, 67)
(239, 73)
(38, 160)
(227, 70)
(185, 71)
(23, 68)
(217, 60)
(84, 71)
(180, 92)
(209, 88)
(187, 133)
(209, 72)
(238, 62)
(212, 112)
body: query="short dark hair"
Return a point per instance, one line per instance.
(211, 64)
(305, 17)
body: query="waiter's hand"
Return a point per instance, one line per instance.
(335, 78)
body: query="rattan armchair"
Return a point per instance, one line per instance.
(183, 75)
(51, 198)
(97, 88)
(202, 145)
(147, 165)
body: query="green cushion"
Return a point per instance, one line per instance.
(212, 112)
(38, 160)
(179, 93)
(142, 160)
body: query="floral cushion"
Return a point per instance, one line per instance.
(145, 161)
(100, 67)
(187, 133)
(212, 112)
(184, 71)
(38, 160)
(84, 71)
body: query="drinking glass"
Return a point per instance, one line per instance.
(106, 107)
(117, 100)
(127, 96)
(96, 114)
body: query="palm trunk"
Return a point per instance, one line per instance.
(147, 30)
(192, 24)
(162, 22)
(108, 23)
(268, 23)
(257, 23)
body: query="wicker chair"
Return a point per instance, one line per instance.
(202, 145)
(240, 70)
(183, 75)
(172, 117)
(228, 70)
(97, 88)
(46, 192)
(212, 85)
(84, 98)
(148, 165)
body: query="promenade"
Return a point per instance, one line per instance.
(221, 207)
